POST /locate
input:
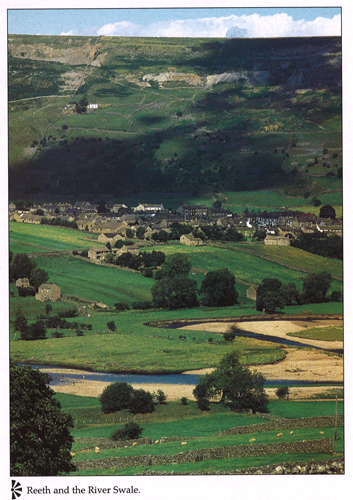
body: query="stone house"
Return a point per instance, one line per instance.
(48, 291)
(111, 238)
(251, 292)
(190, 240)
(277, 240)
(22, 283)
(99, 253)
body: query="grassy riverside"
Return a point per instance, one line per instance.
(329, 334)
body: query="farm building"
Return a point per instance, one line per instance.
(99, 253)
(110, 237)
(251, 292)
(277, 240)
(190, 240)
(22, 283)
(48, 291)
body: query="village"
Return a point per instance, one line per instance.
(154, 223)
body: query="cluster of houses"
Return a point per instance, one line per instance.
(120, 221)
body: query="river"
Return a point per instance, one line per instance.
(179, 378)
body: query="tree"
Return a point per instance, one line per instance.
(327, 212)
(20, 324)
(282, 392)
(270, 286)
(175, 293)
(111, 325)
(35, 331)
(131, 430)
(237, 386)
(116, 397)
(37, 277)
(174, 265)
(218, 289)
(141, 402)
(21, 267)
(161, 397)
(272, 300)
(40, 439)
(289, 293)
(316, 286)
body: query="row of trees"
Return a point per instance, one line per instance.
(273, 294)
(320, 244)
(174, 289)
(122, 396)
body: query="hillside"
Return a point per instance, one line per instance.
(180, 116)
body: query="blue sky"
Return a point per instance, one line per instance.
(175, 22)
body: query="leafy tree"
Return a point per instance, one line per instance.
(271, 301)
(39, 433)
(175, 293)
(327, 212)
(268, 285)
(218, 289)
(184, 400)
(161, 397)
(37, 277)
(237, 386)
(116, 397)
(130, 233)
(111, 325)
(131, 430)
(282, 392)
(21, 267)
(121, 306)
(174, 265)
(35, 331)
(20, 324)
(316, 286)
(141, 402)
(289, 293)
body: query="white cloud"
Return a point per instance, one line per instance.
(254, 26)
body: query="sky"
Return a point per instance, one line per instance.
(178, 22)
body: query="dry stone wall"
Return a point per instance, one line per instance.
(315, 446)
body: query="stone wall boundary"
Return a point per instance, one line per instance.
(285, 424)
(324, 445)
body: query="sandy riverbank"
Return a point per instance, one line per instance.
(279, 329)
(299, 364)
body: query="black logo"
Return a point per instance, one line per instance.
(16, 489)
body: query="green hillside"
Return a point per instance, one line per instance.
(180, 116)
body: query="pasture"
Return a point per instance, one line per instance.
(33, 238)
(197, 429)
(95, 282)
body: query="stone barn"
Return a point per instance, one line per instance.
(48, 291)
(22, 283)
(251, 292)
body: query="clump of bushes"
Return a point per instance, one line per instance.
(122, 396)
(131, 430)
(282, 392)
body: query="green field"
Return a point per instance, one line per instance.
(328, 334)
(95, 282)
(32, 238)
(198, 429)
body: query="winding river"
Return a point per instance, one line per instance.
(181, 378)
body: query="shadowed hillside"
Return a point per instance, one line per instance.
(173, 115)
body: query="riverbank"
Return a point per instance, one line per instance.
(278, 329)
